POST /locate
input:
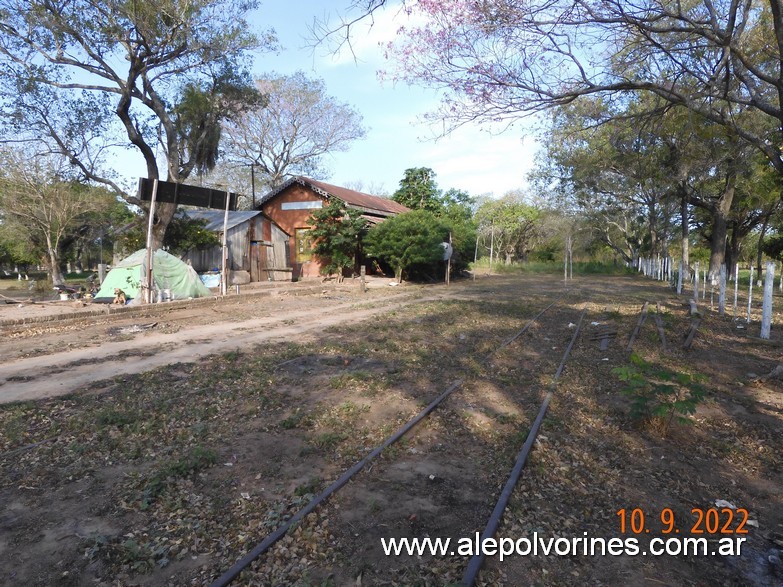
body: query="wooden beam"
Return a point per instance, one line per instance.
(635, 333)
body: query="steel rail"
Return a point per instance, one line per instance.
(523, 330)
(639, 324)
(526, 326)
(560, 368)
(232, 573)
(477, 560)
(263, 546)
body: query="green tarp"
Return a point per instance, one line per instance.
(173, 279)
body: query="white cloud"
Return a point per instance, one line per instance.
(479, 162)
(469, 159)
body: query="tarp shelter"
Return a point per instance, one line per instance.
(173, 279)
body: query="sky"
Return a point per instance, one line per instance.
(470, 159)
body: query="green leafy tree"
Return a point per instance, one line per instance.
(509, 225)
(458, 205)
(6, 252)
(418, 190)
(184, 234)
(412, 238)
(457, 215)
(187, 234)
(202, 109)
(91, 239)
(453, 208)
(336, 232)
(17, 246)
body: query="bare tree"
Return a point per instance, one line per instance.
(375, 188)
(500, 60)
(44, 206)
(290, 135)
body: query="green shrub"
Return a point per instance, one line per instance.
(197, 459)
(659, 395)
(407, 240)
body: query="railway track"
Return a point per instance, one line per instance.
(263, 415)
(474, 565)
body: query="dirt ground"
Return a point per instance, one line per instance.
(158, 448)
(45, 359)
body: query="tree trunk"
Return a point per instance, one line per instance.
(78, 262)
(491, 248)
(720, 219)
(163, 212)
(718, 242)
(163, 215)
(760, 250)
(54, 263)
(685, 238)
(732, 251)
(652, 222)
(629, 255)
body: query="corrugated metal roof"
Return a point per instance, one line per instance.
(361, 199)
(214, 218)
(366, 202)
(372, 219)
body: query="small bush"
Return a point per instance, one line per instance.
(197, 459)
(294, 420)
(659, 395)
(328, 440)
(309, 488)
(118, 418)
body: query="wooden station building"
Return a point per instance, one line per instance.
(272, 242)
(290, 206)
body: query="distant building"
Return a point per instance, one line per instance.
(290, 206)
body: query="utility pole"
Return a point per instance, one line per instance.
(148, 278)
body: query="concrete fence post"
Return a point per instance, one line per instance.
(766, 310)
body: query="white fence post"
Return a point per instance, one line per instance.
(679, 280)
(750, 292)
(766, 311)
(736, 285)
(704, 292)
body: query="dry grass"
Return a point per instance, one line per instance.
(171, 476)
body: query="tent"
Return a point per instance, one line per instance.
(173, 279)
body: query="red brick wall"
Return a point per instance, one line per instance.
(290, 220)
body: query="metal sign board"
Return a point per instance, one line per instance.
(447, 251)
(187, 195)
